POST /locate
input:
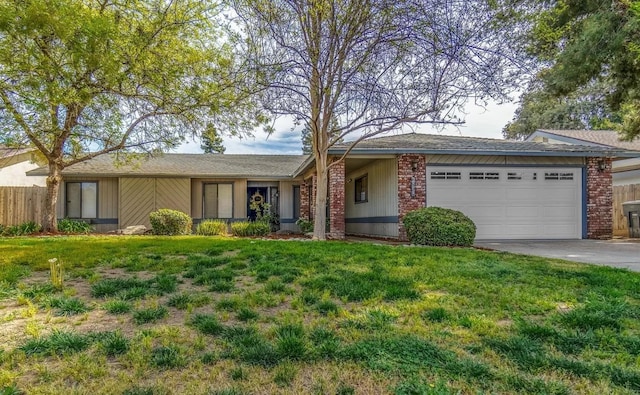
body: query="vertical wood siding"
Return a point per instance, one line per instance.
(382, 190)
(286, 199)
(382, 198)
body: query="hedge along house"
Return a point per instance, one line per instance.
(510, 189)
(204, 186)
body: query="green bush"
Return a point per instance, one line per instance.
(305, 225)
(68, 225)
(439, 226)
(24, 229)
(170, 222)
(212, 227)
(246, 228)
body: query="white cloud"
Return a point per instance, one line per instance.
(286, 140)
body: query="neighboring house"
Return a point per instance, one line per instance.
(511, 189)
(14, 165)
(625, 171)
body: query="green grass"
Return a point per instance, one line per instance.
(302, 317)
(151, 314)
(117, 307)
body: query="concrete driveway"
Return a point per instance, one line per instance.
(621, 253)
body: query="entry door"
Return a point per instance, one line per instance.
(511, 203)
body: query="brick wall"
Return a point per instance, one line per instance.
(336, 200)
(599, 199)
(305, 200)
(412, 187)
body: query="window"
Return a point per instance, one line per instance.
(558, 176)
(479, 175)
(449, 175)
(82, 199)
(362, 193)
(296, 201)
(217, 201)
(514, 176)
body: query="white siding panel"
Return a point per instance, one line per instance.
(382, 199)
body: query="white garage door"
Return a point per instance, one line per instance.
(512, 203)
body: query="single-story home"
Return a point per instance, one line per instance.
(625, 170)
(14, 165)
(511, 189)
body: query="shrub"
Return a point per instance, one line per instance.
(24, 229)
(212, 227)
(305, 225)
(67, 225)
(439, 227)
(246, 228)
(170, 222)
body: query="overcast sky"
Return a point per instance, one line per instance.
(479, 123)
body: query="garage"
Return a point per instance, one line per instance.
(512, 202)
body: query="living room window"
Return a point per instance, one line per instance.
(362, 189)
(81, 199)
(217, 201)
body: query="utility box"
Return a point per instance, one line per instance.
(632, 212)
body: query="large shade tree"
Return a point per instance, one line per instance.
(584, 44)
(586, 108)
(373, 65)
(82, 78)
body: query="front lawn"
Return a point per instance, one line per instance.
(198, 315)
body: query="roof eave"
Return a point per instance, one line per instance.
(387, 151)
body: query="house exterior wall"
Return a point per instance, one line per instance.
(140, 196)
(287, 218)
(13, 173)
(626, 172)
(107, 202)
(599, 197)
(379, 215)
(239, 196)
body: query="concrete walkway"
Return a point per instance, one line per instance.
(620, 253)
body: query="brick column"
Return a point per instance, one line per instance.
(312, 199)
(305, 207)
(599, 199)
(336, 201)
(412, 187)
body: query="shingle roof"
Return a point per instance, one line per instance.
(610, 138)
(6, 152)
(442, 144)
(190, 165)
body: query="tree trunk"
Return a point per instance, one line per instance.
(50, 222)
(320, 219)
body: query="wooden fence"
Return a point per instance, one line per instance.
(21, 204)
(621, 194)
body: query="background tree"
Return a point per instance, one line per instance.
(307, 146)
(582, 44)
(373, 65)
(212, 141)
(586, 108)
(82, 78)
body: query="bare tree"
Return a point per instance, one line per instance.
(373, 65)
